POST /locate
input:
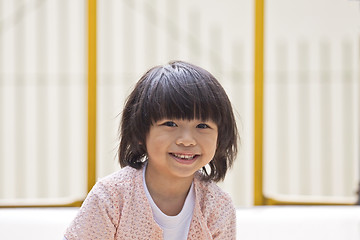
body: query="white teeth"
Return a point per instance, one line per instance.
(188, 157)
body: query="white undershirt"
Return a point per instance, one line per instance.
(174, 227)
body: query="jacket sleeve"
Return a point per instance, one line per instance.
(97, 218)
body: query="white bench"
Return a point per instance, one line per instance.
(255, 223)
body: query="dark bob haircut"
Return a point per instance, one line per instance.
(178, 90)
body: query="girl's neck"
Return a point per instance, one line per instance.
(169, 194)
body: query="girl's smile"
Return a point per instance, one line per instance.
(185, 158)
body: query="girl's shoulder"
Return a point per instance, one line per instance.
(124, 174)
(209, 190)
(120, 180)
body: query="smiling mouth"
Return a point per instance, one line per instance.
(184, 156)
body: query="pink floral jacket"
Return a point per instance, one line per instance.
(117, 208)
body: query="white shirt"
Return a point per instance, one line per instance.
(174, 227)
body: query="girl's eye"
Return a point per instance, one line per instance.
(169, 124)
(203, 125)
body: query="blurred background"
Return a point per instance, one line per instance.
(311, 104)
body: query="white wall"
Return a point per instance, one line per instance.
(311, 89)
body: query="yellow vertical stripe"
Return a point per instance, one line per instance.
(91, 94)
(258, 102)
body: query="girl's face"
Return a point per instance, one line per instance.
(178, 148)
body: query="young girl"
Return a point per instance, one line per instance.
(177, 137)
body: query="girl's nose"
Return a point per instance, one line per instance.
(186, 138)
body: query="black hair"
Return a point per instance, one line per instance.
(178, 90)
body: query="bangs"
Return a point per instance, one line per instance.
(182, 96)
